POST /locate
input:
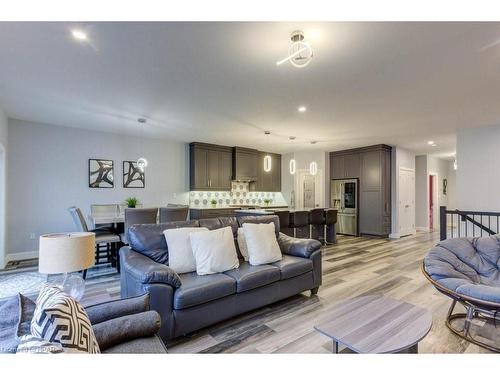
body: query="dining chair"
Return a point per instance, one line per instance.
(169, 214)
(104, 210)
(138, 216)
(106, 242)
(122, 207)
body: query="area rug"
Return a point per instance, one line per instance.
(28, 281)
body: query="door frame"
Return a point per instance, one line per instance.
(435, 199)
(299, 187)
(3, 206)
(413, 231)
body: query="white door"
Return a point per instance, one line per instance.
(309, 192)
(406, 202)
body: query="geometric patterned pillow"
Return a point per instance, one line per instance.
(29, 344)
(58, 318)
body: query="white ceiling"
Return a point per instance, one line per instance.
(396, 83)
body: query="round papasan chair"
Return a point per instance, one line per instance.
(467, 270)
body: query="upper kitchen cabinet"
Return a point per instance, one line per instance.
(245, 164)
(271, 180)
(210, 167)
(344, 165)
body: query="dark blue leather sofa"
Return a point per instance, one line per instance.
(188, 302)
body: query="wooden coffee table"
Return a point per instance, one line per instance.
(376, 324)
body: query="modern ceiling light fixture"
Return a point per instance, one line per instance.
(142, 162)
(78, 34)
(292, 166)
(455, 165)
(300, 53)
(267, 158)
(313, 168)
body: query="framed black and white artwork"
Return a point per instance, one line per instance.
(133, 176)
(101, 173)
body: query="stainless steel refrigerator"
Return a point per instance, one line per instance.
(344, 198)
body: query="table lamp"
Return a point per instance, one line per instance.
(66, 253)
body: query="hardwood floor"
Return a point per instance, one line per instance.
(354, 267)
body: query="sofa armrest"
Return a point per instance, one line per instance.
(145, 270)
(299, 247)
(126, 328)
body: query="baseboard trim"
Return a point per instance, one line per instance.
(21, 256)
(422, 229)
(396, 236)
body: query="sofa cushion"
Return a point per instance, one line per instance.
(180, 253)
(291, 266)
(249, 277)
(262, 219)
(196, 289)
(148, 239)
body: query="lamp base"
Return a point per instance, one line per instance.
(73, 285)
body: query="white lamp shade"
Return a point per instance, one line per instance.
(66, 252)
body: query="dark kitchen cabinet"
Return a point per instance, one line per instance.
(268, 181)
(344, 166)
(372, 166)
(210, 167)
(375, 191)
(245, 164)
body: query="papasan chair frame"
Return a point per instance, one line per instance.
(475, 308)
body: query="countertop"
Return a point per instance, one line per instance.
(237, 208)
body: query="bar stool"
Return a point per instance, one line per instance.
(330, 222)
(317, 223)
(299, 221)
(284, 217)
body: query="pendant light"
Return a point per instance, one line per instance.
(292, 166)
(142, 162)
(267, 163)
(313, 168)
(267, 158)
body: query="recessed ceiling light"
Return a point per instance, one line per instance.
(302, 109)
(267, 132)
(79, 34)
(430, 143)
(314, 142)
(433, 145)
(141, 120)
(291, 137)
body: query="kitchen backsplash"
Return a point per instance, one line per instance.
(239, 194)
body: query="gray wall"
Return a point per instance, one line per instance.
(425, 165)
(478, 173)
(48, 172)
(3, 185)
(303, 159)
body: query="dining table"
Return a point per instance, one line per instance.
(106, 219)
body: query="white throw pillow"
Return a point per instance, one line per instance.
(214, 251)
(261, 243)
(180, 254)
(242, 244)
